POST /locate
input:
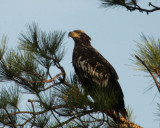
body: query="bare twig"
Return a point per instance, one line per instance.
(50, 86)
(26, 121)
(61, 68)
(67, 84)
(34, 117)
(150, 4)
(10, 118)
(6, 124)
(108, 122)
(75, 117)
(56, 118)
(29, 100)
(44, 81)
(40, 112)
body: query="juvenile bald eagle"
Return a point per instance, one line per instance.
(97, 76)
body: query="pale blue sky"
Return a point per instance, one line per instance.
(113, 32)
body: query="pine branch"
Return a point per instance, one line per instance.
(43, 81)
(154, 78)
(130, 5)
(12, 122)
(147, 57)
(60, 124)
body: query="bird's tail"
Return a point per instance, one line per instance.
(115, 114)
(124, 113)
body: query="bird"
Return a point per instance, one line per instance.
(97, 76)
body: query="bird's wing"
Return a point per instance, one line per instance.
(107, 65)
(94, 64)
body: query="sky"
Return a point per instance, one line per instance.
(113, 33)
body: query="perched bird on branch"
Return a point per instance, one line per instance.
(97, 76)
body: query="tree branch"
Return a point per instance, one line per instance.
(131, 8)
(131, 5)
(154, 78)
(128, 124)
(44, 81)
(10, 118)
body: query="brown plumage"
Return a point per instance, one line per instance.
(97, 75)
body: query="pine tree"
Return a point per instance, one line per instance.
(34, 70)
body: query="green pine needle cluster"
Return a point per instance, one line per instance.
(146, 58)
(9, 101)
(3, 46)
(45, 46)
(149, 52)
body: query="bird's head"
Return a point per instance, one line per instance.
(80, 36)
